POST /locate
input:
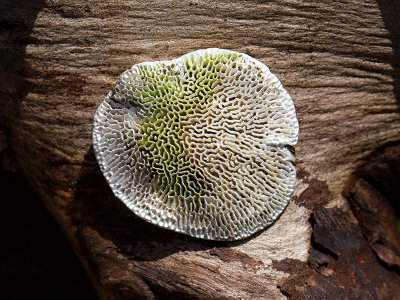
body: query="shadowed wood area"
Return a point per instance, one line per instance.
(338, 60)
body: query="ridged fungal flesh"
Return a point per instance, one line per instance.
(199, 144)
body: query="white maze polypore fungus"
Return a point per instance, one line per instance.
(199, 144)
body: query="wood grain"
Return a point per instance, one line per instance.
(338, 60)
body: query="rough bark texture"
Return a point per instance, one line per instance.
(338, 60)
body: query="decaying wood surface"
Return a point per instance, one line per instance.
(338, 60)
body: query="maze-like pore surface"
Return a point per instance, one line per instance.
(198, 144)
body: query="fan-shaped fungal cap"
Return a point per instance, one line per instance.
(198, 144)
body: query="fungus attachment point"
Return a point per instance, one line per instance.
(199, 144)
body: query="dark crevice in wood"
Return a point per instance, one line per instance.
(374, 198)
(353, 259)
(341, 263)
(390, 10)
(317, 248)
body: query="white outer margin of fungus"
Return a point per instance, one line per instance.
(200, 144)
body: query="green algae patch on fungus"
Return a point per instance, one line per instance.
(198, 144)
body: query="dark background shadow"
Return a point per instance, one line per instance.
(36, 260)
(390, 10)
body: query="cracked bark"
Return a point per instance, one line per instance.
(339, 61)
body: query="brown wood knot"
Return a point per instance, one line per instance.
(232, 255)
(317, 193)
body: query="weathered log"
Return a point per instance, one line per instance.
(340, 63)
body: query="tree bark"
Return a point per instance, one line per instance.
(338, 60)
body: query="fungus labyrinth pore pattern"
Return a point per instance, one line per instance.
(198, 144)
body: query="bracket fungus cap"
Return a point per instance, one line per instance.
(199, 144)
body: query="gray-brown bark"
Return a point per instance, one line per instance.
(339, 62)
